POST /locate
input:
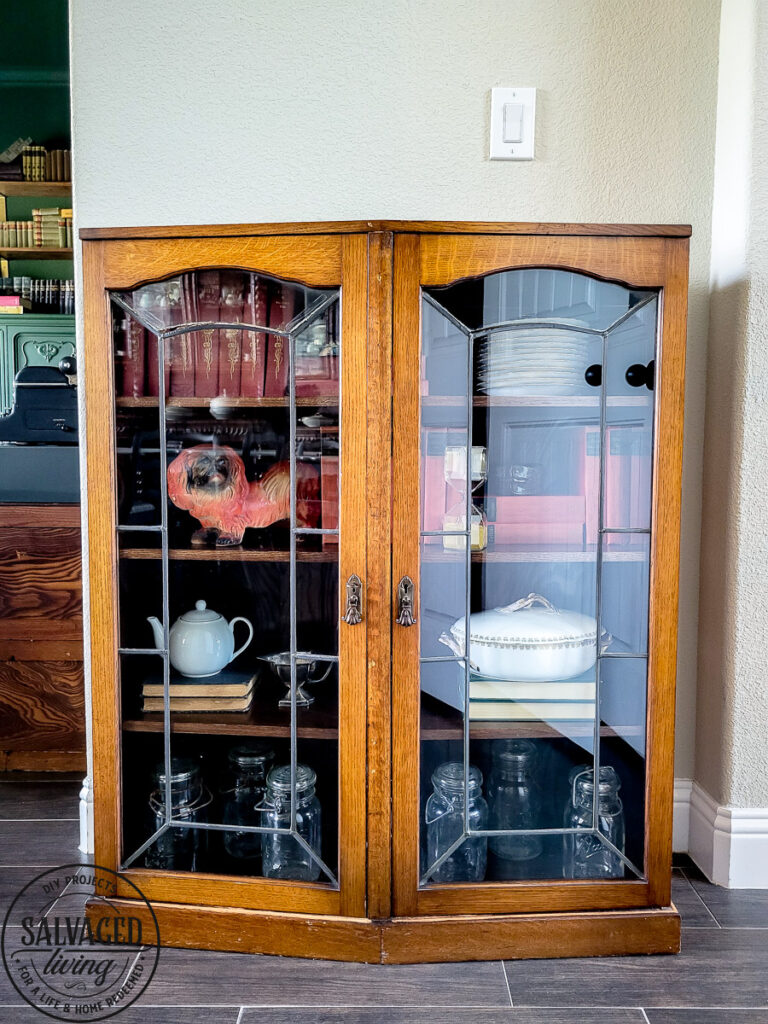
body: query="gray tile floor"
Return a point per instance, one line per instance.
(721, 976)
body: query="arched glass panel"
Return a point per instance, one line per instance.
(536, 454)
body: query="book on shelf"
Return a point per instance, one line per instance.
(43, 295)
(231, 309)
(13, 310)
(254, 343)
(201, 705)
(12, 160)
(281, 310)
(329, 498)
(503, 689)
(227, 683)
(536, 519)
(11, 301)
(540, 711)
(201, 294)
(130, 349)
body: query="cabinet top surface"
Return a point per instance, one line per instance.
(397, 226)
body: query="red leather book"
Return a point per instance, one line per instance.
(230, 342)
(281, 307)
(152, 368)
(130, 346)
(329, 493)
(254, 343)
(207, 289)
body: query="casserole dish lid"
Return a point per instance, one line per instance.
(531, 621)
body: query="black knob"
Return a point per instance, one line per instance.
(637, 375)
(68, 365)
(593, 375)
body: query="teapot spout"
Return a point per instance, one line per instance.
(157, 629)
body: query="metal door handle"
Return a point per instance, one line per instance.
(354, 610)
(405, 616)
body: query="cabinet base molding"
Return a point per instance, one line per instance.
(407, 940)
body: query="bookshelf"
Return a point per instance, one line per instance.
(33, 189)
(35, 253)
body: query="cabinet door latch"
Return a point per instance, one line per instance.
(405, 616)
(354, 610)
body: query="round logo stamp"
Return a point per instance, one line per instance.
(71, 951)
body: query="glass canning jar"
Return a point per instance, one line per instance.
(514, 799)
(281, 855)
(585, 854)
(444, 818)
(179, 849)
(243, 797)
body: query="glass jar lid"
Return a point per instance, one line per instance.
(449, 776)
(609, 781)
(279, 779)
(514, 754)
(251, 755)
(183, 769)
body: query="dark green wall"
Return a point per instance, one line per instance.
(34, 72)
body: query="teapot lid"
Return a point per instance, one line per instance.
(200, 613)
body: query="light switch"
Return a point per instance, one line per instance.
(513, 120)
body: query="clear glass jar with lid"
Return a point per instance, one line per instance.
(514, 799)
(585, 854)
(242, 797)
(281, 855)
(444, 818)
(179, 849)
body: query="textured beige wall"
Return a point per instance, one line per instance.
(196, 112)
(732, 726)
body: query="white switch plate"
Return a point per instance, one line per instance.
(525, 98)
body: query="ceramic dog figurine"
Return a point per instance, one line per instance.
(209, 481)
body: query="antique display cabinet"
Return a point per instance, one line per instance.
(383, 527)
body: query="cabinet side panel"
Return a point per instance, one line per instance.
(665, 564)
(101, 483)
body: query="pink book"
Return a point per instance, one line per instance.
(556, 519)
(254, 343)
(231, 312)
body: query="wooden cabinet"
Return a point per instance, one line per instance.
(360, 438)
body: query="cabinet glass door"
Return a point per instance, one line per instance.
(535, 456)
(232, 669)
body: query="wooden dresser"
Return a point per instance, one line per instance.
(42, 704)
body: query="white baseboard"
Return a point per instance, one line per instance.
(729, 844)
(681, 819)
(86, 816)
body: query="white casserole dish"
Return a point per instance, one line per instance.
(527, 643)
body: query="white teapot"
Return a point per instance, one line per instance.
(201, 641)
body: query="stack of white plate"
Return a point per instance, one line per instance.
(534, 360)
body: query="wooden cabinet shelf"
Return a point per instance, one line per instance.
(35, 253)
(383, 742)
(315, 722)
(31, 189)
(149, 402)
(434, 553)
(228, 555)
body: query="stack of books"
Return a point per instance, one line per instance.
(494, 700)
(44, 295)
(226, 691)
(33, 163)
(52, 226)
(14, 304)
